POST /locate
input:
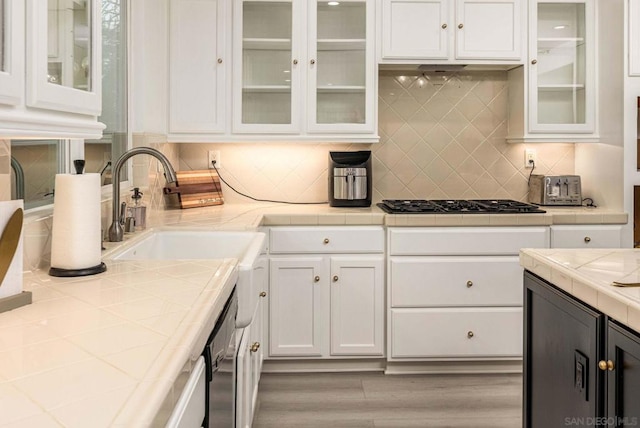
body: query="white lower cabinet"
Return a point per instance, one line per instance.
(583, 236)
(249, 368)
(324, 306)
(456, 292)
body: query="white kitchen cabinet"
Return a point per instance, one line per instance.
(457, 31)
(330, 303)
(583, 236)
(50, 76)
(304, 68)
(199, 61)
(555, 95)
(455, 293)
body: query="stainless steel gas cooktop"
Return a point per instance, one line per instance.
(458, 206)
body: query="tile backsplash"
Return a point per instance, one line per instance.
(442, 135)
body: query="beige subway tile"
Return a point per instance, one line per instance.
(331, 219)
(615, 218)
(421, 220)
(304, 219)
(503, 219)
(362, 219)
(276, 219)
(448, 219)
(476, 219)
(588, 218)
(563, 218)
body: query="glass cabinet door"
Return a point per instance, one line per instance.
(11, 52)
(269, 67)
(340, 66)
(562, 68)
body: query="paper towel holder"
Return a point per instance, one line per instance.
(78, 272)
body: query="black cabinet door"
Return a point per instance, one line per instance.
(623, 384)
(562, 347)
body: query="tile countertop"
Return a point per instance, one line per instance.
(116, 348)
(588, 275)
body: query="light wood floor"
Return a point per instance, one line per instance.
(354, 400)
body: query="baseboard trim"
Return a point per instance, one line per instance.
(316, 366)
(453, 367)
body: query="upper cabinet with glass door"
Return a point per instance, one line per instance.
(55, 44)
(306, 70)
(560, 76)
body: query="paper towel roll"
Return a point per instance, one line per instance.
(75, 237)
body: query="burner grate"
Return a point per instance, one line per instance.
(457, 206)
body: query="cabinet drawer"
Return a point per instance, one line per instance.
(456, 332)
(367, 239)
(456, 281)
(586, 236)
(466, 240)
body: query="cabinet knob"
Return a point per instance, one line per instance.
(317, 278)
(263, 294)
(326, 240)
(469, 284)
(444, 26)
(587, 239)
(295, 62)
(335, 278)
(534, 61)
(313, 61)
(460, 26)
(470, 334)
(605, 365)
(255, 347)
(219, 60)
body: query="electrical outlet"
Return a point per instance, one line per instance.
(530, 158)
(214, 155)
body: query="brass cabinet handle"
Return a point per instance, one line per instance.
(295, 62)
(587, 239)
(255, 347)
(326, 240)
(219, 60)
(263, 294)
(470, 334)
(444, 26)
(460, 26)
(313, 61)
(316, 279)
(469, 284)
(606, 365)
(335, 278)
(534, 61)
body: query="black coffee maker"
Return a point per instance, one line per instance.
(350, 179)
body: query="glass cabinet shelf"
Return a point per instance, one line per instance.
(267, 88)
(341, 89)
(266, 44)
(341, 44)
(567, 87)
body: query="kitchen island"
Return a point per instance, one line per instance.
(116, 348)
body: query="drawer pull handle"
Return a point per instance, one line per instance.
(326, 240)
(469, 284)
(316, 279)
(335, 278)
(606, 365)
(470, 334)
(263, 294)
(587, 239)
(255, 347)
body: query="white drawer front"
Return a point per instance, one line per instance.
(460, 332)
(456, 281)
(365, 239)
(606, 236)
(466, 240)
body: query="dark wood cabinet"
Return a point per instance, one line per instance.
(562, 347)
(623, 379)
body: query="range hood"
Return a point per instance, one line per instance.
(447, 68)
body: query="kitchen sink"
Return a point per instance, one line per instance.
(206, 244)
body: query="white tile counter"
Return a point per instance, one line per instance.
(588, 275)
(114, 349)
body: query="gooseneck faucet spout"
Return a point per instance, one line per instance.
(116, 231)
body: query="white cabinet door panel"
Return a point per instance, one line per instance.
(459, 332)
(602, 236)
(357, 306)
(415, 29)
(297, 302)
(489, 29)
(363, 239)
(455, 281)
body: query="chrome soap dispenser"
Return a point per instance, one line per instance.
(137, 209)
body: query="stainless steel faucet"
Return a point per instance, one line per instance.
(116, 231)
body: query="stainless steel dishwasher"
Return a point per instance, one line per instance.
(220, 354)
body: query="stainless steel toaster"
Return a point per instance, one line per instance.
(555, 190)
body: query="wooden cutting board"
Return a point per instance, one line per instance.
(199, 188)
